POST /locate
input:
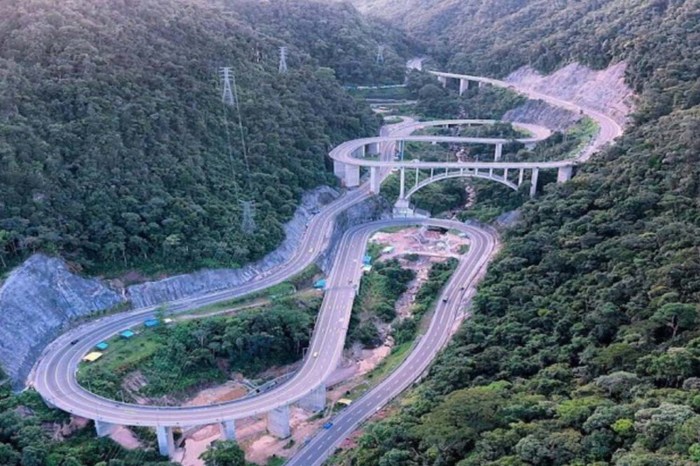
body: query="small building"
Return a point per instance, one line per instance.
(367, 259)
(151, 323)
(388, 250)
(92, 357)
(367, 268)
(320, 284)
(168, 320)
(127, 334)
(345, 401)
(103, 345)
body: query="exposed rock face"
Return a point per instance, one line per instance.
(541, 113)
(41, 296)
(207, 281)
(374, 208)
(603, 90)
(36, 300)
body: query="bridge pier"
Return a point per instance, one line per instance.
(463, 86)
(373, 148)
(402, 183)
(228, 430)
(314, 401)
(103, 428)
(339, 169)
(278, 422)
(352, 176)
(166, 441)
(374, 180)
(359, 152)
(564, 174)
(521, 175)
(402, 208)
(533, 181)
(442, 80)
(499, 152)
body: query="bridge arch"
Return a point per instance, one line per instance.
(461, 174)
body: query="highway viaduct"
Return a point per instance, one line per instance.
(55, 374)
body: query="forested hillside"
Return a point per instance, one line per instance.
(116, 151)
(584, 345)
(335, 36)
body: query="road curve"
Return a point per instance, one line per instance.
(457, 291)
(609, 128)
(345, 152)
(54, 374)
(62, 390)
(324, 443)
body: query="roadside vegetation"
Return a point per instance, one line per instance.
(175, 359)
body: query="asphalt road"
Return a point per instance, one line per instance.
(447, 314)
(345, 152)
(324, 443)
(54, 375)
(609, 128)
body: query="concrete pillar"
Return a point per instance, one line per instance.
(442, 80)
(482, 84)
(278, 422)
(166, 442)
(533, 181)
(314, 401)
(499, 152)
(339, 169)
(104, 428)
(490, 172)
(505, 174)
(402, 208)
(374, 180)
(352, 175)
(359, 152)
(228, 430)
(402, 183)
(373, 148)
(463, 86)
(521, 176)
(564, 173)
(416, 183)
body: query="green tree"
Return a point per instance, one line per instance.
(223, 453)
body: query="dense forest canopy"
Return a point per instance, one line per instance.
(335, 36)
(584, 345)
(117, 152)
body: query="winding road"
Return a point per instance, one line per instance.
(55, 372)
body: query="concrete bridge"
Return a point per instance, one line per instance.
(351, 156)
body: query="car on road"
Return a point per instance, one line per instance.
(316, 354)
(444, 300)
(327, 425)
(74, 341)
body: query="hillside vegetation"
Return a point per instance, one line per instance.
(584, 345)
(116, 151)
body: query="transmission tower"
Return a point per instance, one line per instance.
(230, 98)
(248, 222)
(283, 60)
(227, 95)
(380, 54)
